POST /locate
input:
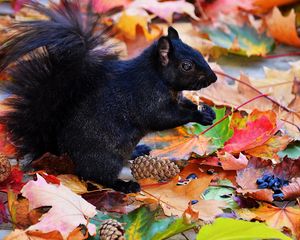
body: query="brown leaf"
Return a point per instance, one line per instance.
(109, 201)
(53, 164)
(73, 182)
(229, 162)
(292, 191)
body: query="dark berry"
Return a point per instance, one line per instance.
(192, 176)
(259, 181)
(285, 183)
(210, 171)
(266, 177)
(194, 202)
(278, 196)
(271, 182)
(277, 191)
(263, 185)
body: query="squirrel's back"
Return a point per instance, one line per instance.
(57, 66)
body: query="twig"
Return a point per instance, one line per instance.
(185, 236)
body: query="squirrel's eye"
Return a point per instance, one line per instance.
(186, 66)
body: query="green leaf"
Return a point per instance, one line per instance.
(231, 229)
(221, 132)
(242, 40)
(292, 151)
(142, 224)
(218, 193)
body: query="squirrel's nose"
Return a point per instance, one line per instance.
(212, 77)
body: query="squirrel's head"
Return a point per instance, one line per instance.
(183, 67)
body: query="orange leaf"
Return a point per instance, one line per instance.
(175, 199)
(270, 148)
(283, 28)
(177, 143)
(279, 217)
(264, 6)
(229, 162)
(256, 133)
(53, 235)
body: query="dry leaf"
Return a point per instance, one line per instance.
(283, 28)
(68, 210)
(229, 162)
(72, 182)
(279, 217)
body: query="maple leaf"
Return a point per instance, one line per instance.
(178, 143)
(174, 199)
(257, 132)
(242, 40)
(229, 162)
(128, 22)
(102, 6)
(270, 148)
(73, 183)
(166, 9)
(14, 181)
(283, 28)
(68, 210)
(53, 164)
(109, 201)
(279, 217)
(246, 179)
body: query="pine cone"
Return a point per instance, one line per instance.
(153, 167)
(111, 229)
(5, 168)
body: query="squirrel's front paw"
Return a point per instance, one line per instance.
(206, 115)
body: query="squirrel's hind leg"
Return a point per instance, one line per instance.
(105, 170)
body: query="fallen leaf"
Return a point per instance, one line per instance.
(109, 201)
(72, 182)
(246, 179)
(128, 23)
(242, 40)
(264, 6)
(279, 218)
(103, 6)
(292, 191)
(283, 28)
(166, 9)
(33, 235)
(178, 143)
(229, 162)
(226, 228)
(14, 181)
(175, 199)
(270, 148)
(53, 164)
(292, 151)
(256, 133)
(68, 210)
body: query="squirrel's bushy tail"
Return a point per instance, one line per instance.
(55, 67)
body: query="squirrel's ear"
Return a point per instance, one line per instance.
(172, 33)
(163, 47)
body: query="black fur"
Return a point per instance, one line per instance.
(72, 97)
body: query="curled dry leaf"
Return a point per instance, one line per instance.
(33, 235)
(229, 162)
(292, 191)
(283, 28)
(68, 210)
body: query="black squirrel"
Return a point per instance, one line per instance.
(73, 95)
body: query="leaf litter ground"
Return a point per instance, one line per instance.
(220, 167)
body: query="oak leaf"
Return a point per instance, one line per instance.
(229, 162)
(67, 212)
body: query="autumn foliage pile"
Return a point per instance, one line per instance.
(238, 179)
